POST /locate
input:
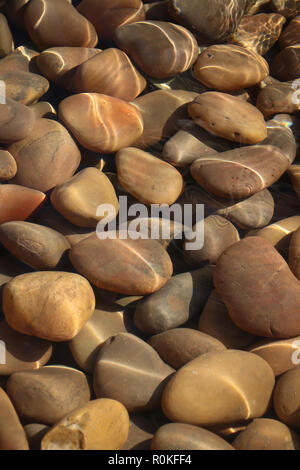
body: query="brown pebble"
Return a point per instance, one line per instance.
(18, 61)
(213, 20)
(43, 109)
(14, 10)
(282, 355)
(241, 172)
(8, 166)
(218, 235)
(180, 300)
(35, 433)
(161, 110)
(180, 436)
(179, 346)
(228, 117)
(112, 73)
(59, 64)
(258, 33)
(24, 87)
(16, 121)
(141, 432)
(228, 68)
(287, 8)
(108, 320)
(51, 23)
(160, 49)
(267, 434)
(62, 303)
(107, 15)
(39, 247)
(22, 352)
(147, 178)
(281, 135)
(216, 322)
(286, 398)
(191, 143)
(48, 156)
(6, 39)
(254, 265)
(279, 233)
(78, 198)
(48, 394)
(129, 370)
(101, 123)
(294, 253)
(212, 391)
(286, 64)
(12, 434)
(294, 174)
(278, 98)
(126, 266)
(99, 425)
(18, 202)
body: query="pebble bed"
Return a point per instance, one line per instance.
(141, 343)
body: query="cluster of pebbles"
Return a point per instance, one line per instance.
(142, 343)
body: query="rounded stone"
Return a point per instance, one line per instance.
(258, 33)
(277, 98)
(35, 433)
(24, 87)
(18, 202)
(126, 266)
(51, 23)
(279, 233)
(112, 73)
(282, 355)
(266, 288)
(286, 398)
(267, 434)
(16, 121)
(253, 212)
(39, 247)
(149, 179)
(22, 352)
(78, 198)
(294, 253)
(286, 64)
(160, 49)
(48, 394)
(216, 322)
(62, 303)
(59, 64)
(101, 123)
(99, 425)
(241, 172)
(12, 434)
(141, 431)
(213, 20)
(43, 109)
(228, 117)
(18, 61)
(180, 300)
(280, 135)
(48, 156)
(291, 34)
(180, 436)
(107, 15)
(6, 38)
(212, 391)
(229, 68)
(218, 234)
(287, 8)
(108, 320)
(179, 346)
(124, 372)
(8, 166)
(162, 111)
